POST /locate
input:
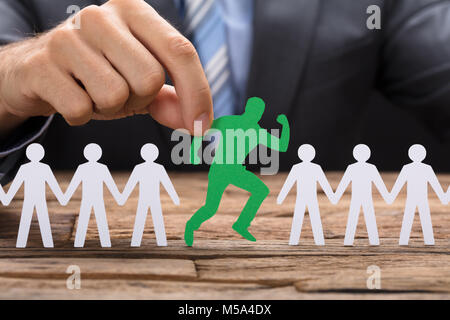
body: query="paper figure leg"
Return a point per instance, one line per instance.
(352, 223)
(297, 223)
(213, 197)
(316, 223)
(427, 227)
(371, 224)
(408, 218)
(102, 224)
(158, 224)
(139, 224)
(216, 187)
(24, 226)
(44, 224)
(250, 182)
(83, 222)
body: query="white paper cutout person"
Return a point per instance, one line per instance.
(34, 175)
(361, 175)
(417, 175)
(92, 175)
(2, 195)
(149, 175)
(306, 174)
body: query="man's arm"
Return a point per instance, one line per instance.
(289, 183)
(399, 183)
(54, 186)
(279, 144)
(2, 195)
(111, 185)
(448, 195)
(434, 182)
(416, 56)
(73, 185)
(16, 22)
(15, 186)
(346, 179)
(326, 187)
(380, 185)
(165, 181)
(37, 75)
(129, 187)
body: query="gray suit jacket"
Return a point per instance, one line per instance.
(314, 60)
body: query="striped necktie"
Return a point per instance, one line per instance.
(206, 28)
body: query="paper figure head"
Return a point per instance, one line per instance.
(92, 152)
(254, 108)
(149, 152)
(417, 153)
(361, 153)
(306, 152)
(35, 152)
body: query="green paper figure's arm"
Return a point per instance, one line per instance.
(279, 144)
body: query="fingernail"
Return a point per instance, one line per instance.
(201, 124)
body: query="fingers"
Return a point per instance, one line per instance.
(176, 54)
(143, 73)
(105, 86)
(166, 108)
(71, 101)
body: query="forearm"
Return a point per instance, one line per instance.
(284, 139)
(8, 120)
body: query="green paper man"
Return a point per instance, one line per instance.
(238, 136)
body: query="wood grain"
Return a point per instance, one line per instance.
(222, 265)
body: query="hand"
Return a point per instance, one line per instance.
(279, 200)
(121, 201)
(176, 201)
(6, 201)
(389, 199)
(64, 202)
(109, 67)
(282, 119)
(334, 200)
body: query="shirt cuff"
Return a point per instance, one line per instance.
(13, 148)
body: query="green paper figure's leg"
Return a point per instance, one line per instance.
(216, 188)
(259, 191)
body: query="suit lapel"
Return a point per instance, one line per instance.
(283, 32)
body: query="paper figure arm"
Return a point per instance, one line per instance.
(346, 179)
(434, 182)
(54, 186)
(167, 184)
(111, 185)
(131, 184)
(279, 144)
(326, 187)
(76, 180)
(448, 195)
(381, 186)
(401, 180)
(2, 195)
(15, 186)
(290, 181)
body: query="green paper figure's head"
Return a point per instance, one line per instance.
(254, 109)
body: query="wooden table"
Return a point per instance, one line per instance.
(221, 265)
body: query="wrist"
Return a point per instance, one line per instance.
(8, 121)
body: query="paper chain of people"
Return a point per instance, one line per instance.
(93, 175)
